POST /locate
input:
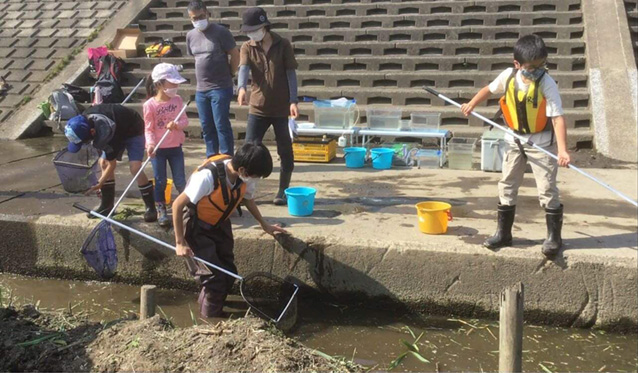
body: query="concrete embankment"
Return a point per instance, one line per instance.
(456, 279)
(362, 242)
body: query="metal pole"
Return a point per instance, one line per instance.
(153, 239)
(510, 351)
(527, 142)
(144, 164)
(133, 91)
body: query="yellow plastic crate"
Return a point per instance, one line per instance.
(313, 151)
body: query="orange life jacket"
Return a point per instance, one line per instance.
(217, 206)
(524, 112)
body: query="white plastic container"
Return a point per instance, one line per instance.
(421, 121)
(384, 119)
(428, 158)
(460, 153)
(492, 151)
(334, 117)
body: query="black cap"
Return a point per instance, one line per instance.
(254, 19)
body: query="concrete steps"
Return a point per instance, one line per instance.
(393, 79)
(372, 64)
(550, 19)
(399, 34)
(384, 52)
(444, 6)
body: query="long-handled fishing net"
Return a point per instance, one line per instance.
(99, 247)
(271, 297)
(530, 143)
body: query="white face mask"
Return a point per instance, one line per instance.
(257, 35)
(171, 92)
(201, 24)
(245, 178)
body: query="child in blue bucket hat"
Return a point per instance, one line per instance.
(113, 129)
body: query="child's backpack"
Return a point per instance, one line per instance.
(164, 48)
(107, 92)
(107, 89)
(79, 94)
(94, 57)
(63, 106)
(109, 67)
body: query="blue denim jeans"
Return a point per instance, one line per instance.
(214, 108)
(175, 158)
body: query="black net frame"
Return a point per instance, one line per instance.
(271, 297)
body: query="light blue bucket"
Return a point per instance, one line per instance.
(382, 158)
(355, 157)
(301, 200)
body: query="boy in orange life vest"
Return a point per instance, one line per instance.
(213, 192)
(531, 101)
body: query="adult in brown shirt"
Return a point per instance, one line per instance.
(273, 91)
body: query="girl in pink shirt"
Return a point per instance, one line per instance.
(160, 110)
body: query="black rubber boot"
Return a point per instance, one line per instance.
(554, 241)
(284, 183)
(150, 215)
(107, 199)
(503, 235)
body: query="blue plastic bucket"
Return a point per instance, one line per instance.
(301, 200)
(382, 158)
(355, 157)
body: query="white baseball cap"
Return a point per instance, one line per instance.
(167, 71)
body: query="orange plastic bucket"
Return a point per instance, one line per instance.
(433, 216)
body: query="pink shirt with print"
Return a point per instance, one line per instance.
(157, 115)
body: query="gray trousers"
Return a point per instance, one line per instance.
(544, 167)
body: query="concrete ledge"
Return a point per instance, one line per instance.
(464, 280)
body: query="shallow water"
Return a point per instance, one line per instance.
(371, 338)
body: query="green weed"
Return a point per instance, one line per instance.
(169, 320)
(192, 315)
(134, 343)
(38, 340)
(412, 349)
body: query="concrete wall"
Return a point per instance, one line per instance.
(613, 81)
(448, 281)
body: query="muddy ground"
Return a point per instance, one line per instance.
(31, 340)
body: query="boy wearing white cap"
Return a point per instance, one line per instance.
(160, 110)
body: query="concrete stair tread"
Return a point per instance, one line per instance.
(189, 73)
(455, 4)
(323, 92)
(530, 14)
(188, 59)
(387, 21)
(396, 30)
(323, 3)
(424, 44)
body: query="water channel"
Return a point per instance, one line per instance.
(369, 337)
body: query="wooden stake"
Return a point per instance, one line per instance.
(510, 352)
(147, 301)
